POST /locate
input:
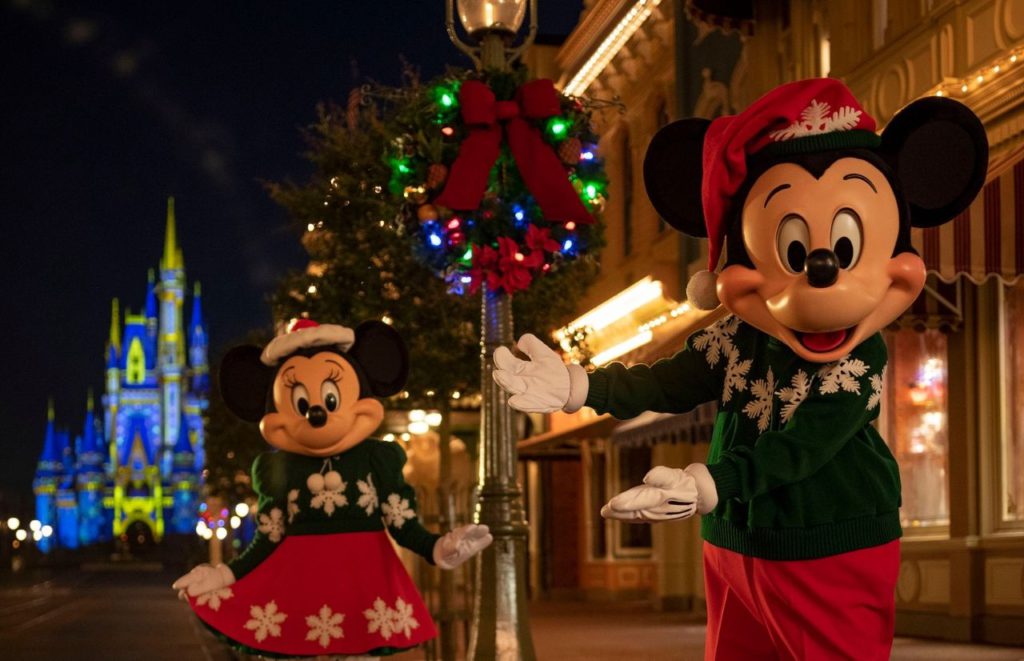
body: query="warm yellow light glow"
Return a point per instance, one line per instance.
(417, 415)
(222, 533)
(610, 47)
(46, 531)
(35, 525)
(632, 298)
(420, 427)
(13, 523)
(637, 340)
(22, 535)
(242, 510)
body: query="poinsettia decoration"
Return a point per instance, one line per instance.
(499, 177)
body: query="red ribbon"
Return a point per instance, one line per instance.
(539, 166)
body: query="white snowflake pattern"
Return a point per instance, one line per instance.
(735, 374)
(402, 620)
(367, 494)
(842, 375)
(378, 619)
(272, 525)
(716, 340)
(795, 394)
(760, 407)
(397, 510)
(293, 504)
(266, 620)
(324, 626)
(214, 597)
(330, 499)
(818, 118)
(390, 621)
(877, 381)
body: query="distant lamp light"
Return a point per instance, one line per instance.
(22, 535)
(13, 523)
(433, 419)
(242, 510)
(34, 525)
(222, 533)
(420, 427)
(417, 415)
(46, 531)
(36, 535)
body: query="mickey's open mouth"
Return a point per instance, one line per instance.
(823, 342)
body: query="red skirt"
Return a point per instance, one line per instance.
(345, 593)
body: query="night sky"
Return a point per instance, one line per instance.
(108, 108)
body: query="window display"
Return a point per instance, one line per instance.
(1013, 439)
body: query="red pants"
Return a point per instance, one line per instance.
(839, 607)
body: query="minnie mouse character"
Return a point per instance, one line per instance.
(800, 495)
(321, 576)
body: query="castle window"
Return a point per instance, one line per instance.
(136, 364)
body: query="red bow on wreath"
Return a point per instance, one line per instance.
(539, 166)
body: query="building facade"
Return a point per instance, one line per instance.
(953, 411)
(134, 471)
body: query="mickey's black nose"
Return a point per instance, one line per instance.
(317, 416)
(822, 268)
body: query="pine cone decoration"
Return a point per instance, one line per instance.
(436, 175)
(569, 151)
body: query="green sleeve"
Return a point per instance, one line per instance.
(671, 385)
(269, 481)
(841, 399)
(398, 502)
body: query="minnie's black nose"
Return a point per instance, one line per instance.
(822, 268)
(317, 416)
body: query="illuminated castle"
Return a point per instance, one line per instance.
(137, 470)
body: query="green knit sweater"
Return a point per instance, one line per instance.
(372, 493)
(800, 471)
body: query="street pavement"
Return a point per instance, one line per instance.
(127, 612)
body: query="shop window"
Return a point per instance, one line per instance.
(634, 462)
(1012, 459)
(916, 423)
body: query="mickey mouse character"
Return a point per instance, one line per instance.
(800, 494)
(320, 576)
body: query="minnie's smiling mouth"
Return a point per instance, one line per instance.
(823, 342)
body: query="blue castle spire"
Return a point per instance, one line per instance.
(91, 481)
(67, 502)
(48, 472)
(184, 480)
(198, 344)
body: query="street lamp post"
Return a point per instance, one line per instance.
(500, 628)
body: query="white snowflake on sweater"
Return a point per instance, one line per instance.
(378, 619)
(817, 118)
(877, 381)
(397, 510)
(842, 375)
(716, 340)
(265, 621)
(293, 504)
(402, 620)
(214, 597)
(367, 494)
(324, 626)
(329, 499)
(795, 394)
(273, 525)
(735, 372)
(760, 407)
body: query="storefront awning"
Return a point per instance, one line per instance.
(987, 239)
(566, 440)
(651, 428)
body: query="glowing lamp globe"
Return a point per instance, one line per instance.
(487, 15)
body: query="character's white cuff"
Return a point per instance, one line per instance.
(707, 493)
(579, 385)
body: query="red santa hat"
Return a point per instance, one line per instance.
(303, 334)
(813, 115)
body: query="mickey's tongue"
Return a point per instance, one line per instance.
(822, 342)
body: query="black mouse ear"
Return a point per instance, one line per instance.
(244, 381)
(673, 174)
(382, 356)
(939, 153)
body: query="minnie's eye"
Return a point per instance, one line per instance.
(847, 237)
(794, 241)
(329, 393)
(300, 399)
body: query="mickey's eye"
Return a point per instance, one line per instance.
(794, 241)
(329, 393)
(847, 237)
(300, 399)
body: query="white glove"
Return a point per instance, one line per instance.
(202, 579)
(667, 494)
(542, 384)
(460, 545)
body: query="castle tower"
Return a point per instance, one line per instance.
(48, 472)
(170, 340)
(198, 345)
(113, 389)
(91, 481)
(184, 483)
(67, 501)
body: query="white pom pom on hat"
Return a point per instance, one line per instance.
(702, 290)
(303, 334)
